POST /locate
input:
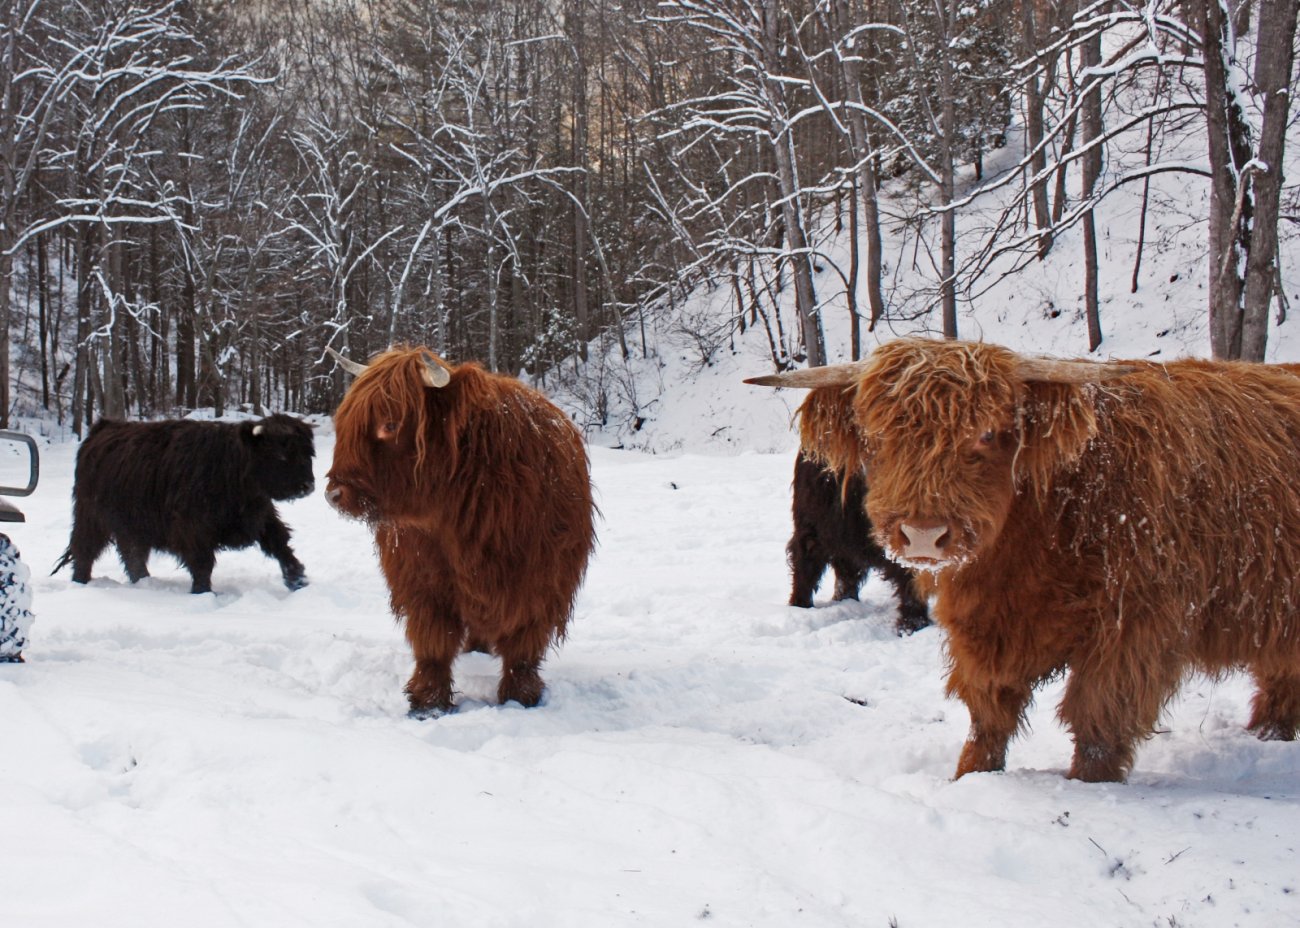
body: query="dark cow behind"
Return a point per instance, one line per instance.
(478, 492)
(831, 529)
(189, 489)
(830, 520)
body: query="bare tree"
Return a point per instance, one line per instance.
(106, 72)
(753, 103)
(1246, 121)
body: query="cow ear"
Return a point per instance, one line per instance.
(1056, 423)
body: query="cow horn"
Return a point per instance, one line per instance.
(834, 375)
(433, 373)
(1053, 370)
(354, 368)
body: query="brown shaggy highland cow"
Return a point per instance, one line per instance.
(1132, 523)
(478, 491)
(831, 527)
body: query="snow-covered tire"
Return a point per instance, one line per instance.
(15, 602)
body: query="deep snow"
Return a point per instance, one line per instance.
(705, 754)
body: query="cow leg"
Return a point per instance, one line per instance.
(1109, 706)
(913, 611)
(807, 564)
(89, 539)
(996, 715)
(521, 659)
(199, 564)
(135, 559)
(274, 540)
(422, 593)
(435, 635)
(1275, 710)
(849, 575)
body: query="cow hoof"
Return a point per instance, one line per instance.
(12, 659)
(429, 712)
(910, 624)
(525, 689)
(295, 583)
(1275, 731)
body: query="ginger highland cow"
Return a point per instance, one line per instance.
(478, 491)
(1130, 523)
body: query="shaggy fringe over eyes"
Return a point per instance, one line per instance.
(391, 386)
(964, 389)
(946, 387)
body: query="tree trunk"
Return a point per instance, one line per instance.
(947, 185)
(186, 381)
(6, 278)
(43, 306)
(1230, 206)
(1274, 56)
(9, 154)
(581, 297)
(82, 408)
(109, 348)
(1034, 133)
(855, 325)
(494, 301)
(867, 184)
(782, 137)
(1092, 165)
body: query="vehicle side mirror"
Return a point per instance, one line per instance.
(8, 511)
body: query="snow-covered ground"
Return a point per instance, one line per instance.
(705, 754)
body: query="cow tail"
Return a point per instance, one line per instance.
(63, 561)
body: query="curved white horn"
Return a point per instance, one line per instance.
(354, 368)
(433, 373)
(834, 375)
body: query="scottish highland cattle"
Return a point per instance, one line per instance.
(189, 489)
(478, 492)
(831, 527)
(1128, 523)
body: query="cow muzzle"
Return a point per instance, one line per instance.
(926, 541)
(350, 501)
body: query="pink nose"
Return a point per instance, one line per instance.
(925, 539)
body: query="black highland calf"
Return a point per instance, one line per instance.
(831, 529)
(189, 489)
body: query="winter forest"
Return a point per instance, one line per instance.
(198, 196)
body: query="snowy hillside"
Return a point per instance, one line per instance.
(705, 754)
(668, 397)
